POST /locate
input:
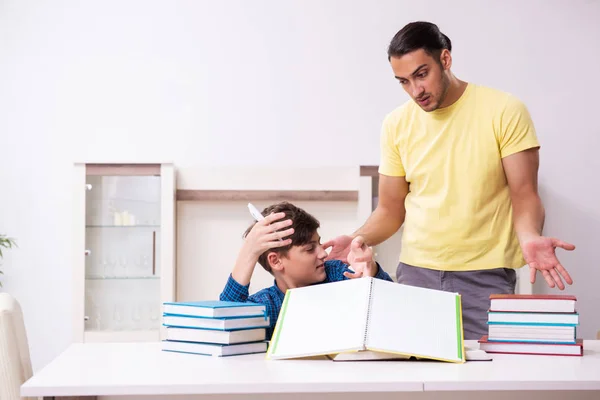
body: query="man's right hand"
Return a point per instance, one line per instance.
(340, 248)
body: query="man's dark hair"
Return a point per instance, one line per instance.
(419, 35)
(304, 224)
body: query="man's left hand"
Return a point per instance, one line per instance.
(539, 253)
(360, 259)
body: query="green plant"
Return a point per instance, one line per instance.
(6, 243)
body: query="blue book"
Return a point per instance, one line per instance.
(221, 324)
(214, 336)
(538, 341)
(216, 350)
(214, 309)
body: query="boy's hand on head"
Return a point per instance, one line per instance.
(268, 234)
(360, 259)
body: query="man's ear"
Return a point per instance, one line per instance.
(446, 59)
(275, 261)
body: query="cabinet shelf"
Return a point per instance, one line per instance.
(123, 226)
(121, 278)
(146, 335)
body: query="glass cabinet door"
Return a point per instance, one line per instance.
(122, 262)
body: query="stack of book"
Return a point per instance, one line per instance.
(216, 328)
(532, 324)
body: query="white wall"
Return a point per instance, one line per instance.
(263, 83)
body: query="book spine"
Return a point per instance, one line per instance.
(368, 316)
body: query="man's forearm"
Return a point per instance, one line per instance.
(380, 225)
(528, 217)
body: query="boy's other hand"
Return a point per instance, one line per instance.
(360, 259)
(268, 234)
(340, 248)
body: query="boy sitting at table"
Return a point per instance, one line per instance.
(292, 252)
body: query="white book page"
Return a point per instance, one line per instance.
(412, 320)
(539, 305)
(322, 319)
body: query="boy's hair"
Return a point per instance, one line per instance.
(419, 35)
(304, 224)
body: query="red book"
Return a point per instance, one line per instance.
(554, 303)
(549, 349)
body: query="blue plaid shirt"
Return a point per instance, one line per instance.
(272, 297)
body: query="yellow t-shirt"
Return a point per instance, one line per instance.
(458, 209)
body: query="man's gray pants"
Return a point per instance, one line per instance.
(475, 288)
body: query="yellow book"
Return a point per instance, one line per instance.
(369, 314)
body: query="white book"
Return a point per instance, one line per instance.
(216, 350)
(531, 348)
(532, 333)
(369, 314)
(214, 336)
(529, 318)
(551, 303)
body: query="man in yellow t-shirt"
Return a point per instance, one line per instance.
(459, 165)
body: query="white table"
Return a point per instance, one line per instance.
(142, 370)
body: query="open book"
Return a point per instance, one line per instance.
(471, 354)
(369, 314)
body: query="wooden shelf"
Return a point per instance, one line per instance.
(121, 278)
(122, 169)
(124, 226)
(270, 195)
(369, 170)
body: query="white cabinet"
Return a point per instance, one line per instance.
(123, 250)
